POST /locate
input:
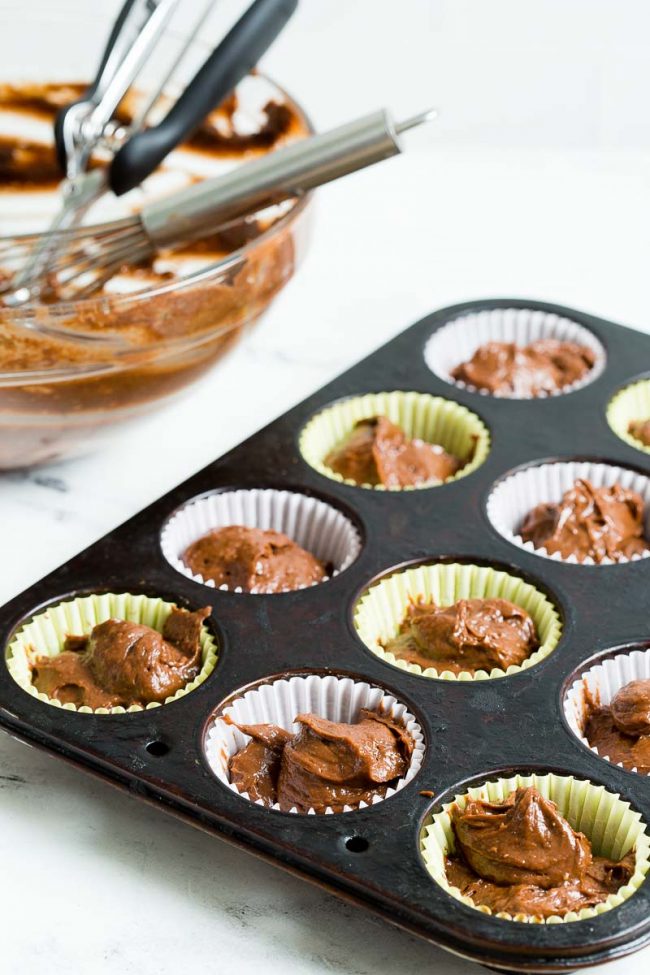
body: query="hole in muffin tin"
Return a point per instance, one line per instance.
(157, 748)
(456, 341)
(456, 577)
(277, 699)
(587, 804)
(433, 419)
(513, 495)
(604, 673)
(325, 528)
(356, 844)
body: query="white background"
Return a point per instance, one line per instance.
(535, 182)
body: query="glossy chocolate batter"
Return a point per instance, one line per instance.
(621, 732)
(470, 635)
(640, 430)
(198, 324)
(378, 452)
(325, 764)
(589, 522)
(506, 369)
(254, 560)
(522, 857)
(121, 663)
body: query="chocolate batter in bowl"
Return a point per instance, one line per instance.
(70, 371)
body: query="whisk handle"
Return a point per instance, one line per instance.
(232, 59)
(288, 172)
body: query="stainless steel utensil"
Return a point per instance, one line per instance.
(87, 124)
(88, 257)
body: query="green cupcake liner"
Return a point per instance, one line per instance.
(429, 418)
(381, 610)
(47, 631)
(631, 403)
(610, 824)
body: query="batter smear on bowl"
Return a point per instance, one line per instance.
(161, 322)
(543, 367)
(470, 635)
(326, 764)
(589, 522)
(377, 451)
(521, 856)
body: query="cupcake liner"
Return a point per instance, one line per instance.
(457, 342)
(279, 701)
(381, 610)
(609, 822)
(518, 493)
(314, 525)
(46, 633)
(420, 415)
(631, 403)
(599, 684)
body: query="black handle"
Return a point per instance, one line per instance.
(116, 30)
(238, 52)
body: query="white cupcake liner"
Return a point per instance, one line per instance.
(457, 342)
(516, 495)
(608, 822)
(313, 524)
(599, 684)
(278, 702)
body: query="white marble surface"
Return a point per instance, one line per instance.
(91, 880)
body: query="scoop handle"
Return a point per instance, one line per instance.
(232, 59)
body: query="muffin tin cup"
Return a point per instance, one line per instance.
(599, 684)
(45, 634)
(457, 342)
(420, 415)
(513, 497)
(609, 822)
(381, 610)
(279, 701)
(631, 403)
(313, 524)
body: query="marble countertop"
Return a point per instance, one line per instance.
(92, 880)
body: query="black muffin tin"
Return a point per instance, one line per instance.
(473, 730)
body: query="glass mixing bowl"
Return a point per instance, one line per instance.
(70, 372)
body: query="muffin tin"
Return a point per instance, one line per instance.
(474, 730)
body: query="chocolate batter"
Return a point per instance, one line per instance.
(470, 635)
(168, 339)
(589, 522)
(325, 764)
(621, 732)
(522, 857)
(254, 560)
(640, 430)
(507, 369)
(121, 663)
(378, 452)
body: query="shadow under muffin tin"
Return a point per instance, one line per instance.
(474, 731)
